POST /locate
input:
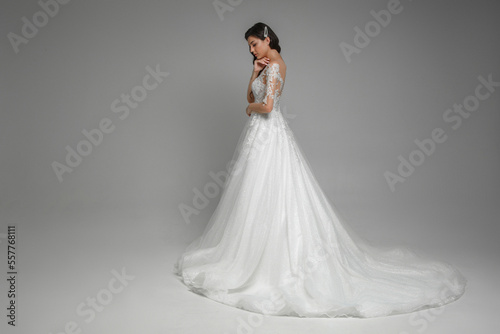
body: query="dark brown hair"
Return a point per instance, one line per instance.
(257, 30)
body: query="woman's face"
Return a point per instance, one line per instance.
(257, 46)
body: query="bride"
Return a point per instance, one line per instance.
(276, 245)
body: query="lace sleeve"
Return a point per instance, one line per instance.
(273, 84)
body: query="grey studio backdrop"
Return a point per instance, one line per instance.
(398, 117)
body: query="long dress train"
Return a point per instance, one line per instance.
(276, 245)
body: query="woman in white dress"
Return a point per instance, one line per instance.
(276, 245)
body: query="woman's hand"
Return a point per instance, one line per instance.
(249, 112)
(259, 64)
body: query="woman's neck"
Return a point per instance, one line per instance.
(273, 55)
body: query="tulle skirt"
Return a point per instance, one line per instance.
(276, 245)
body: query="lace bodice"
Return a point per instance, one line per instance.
(267, 87)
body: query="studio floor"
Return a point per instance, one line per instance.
(110, 271)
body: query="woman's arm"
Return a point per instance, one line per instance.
(273, 88)
(250, 97)
(260, 108)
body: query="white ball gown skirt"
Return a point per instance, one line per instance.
(276, 245)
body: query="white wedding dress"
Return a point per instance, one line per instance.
(276, 245)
